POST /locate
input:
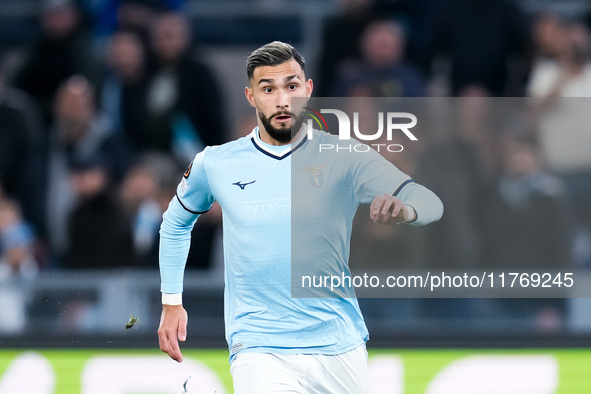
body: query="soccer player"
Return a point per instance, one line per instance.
(279, 343)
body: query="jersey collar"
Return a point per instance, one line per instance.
(278, 152)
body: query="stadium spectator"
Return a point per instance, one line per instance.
(17, 242)
(20, 138)
(99, 231)
(452, 163)
(526, 216)
(63, 49)
(480, 39)
(416, 17)
(567, 71)
(178, 120)
(527, 228)
(547, 36)
(79, 132)
(17, 266)
(123, 90)
(476, 112)
(341, 38)
(135, 15)
(561, 90)
(382, 70)
(145, 192)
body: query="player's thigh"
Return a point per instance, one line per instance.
(344, 373)
(262, 373)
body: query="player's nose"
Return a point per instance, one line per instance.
(283, 99)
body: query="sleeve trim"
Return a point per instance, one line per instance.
(414, 213)
(401, 186)
(187, 209)
(172, 299)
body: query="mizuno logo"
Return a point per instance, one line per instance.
(242, 185)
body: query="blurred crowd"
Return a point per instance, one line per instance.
(110, 103)
(93, 143)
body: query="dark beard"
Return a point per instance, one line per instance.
(284, 134)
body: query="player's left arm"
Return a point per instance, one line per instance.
(372, 175)
(413, 204)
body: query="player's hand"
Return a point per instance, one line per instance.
(172, 329)
(387, 209)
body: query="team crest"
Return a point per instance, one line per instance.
(315, 174)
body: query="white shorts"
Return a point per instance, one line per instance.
(262, 373)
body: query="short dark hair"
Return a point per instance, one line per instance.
(273, 54)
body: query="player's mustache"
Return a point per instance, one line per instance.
(282, 113)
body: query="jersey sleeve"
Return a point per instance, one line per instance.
(426, 204)
(374, 176)
(193, 198)
(193, 192)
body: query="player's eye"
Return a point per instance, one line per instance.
(267, 89)
(293, 87)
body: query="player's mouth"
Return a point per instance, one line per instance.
(283, 118)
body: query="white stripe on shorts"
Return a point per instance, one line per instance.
(263, 373)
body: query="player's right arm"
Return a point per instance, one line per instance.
(172, 329)
(192, 199)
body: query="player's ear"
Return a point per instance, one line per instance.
(249, 96)
(309, 88)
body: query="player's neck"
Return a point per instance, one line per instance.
(267, 139)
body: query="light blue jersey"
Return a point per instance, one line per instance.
(283, 205)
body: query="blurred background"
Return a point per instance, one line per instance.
(104, 103)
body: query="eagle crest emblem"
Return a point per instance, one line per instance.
(315, 174)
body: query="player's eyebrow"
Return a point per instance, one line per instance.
(272, 81)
